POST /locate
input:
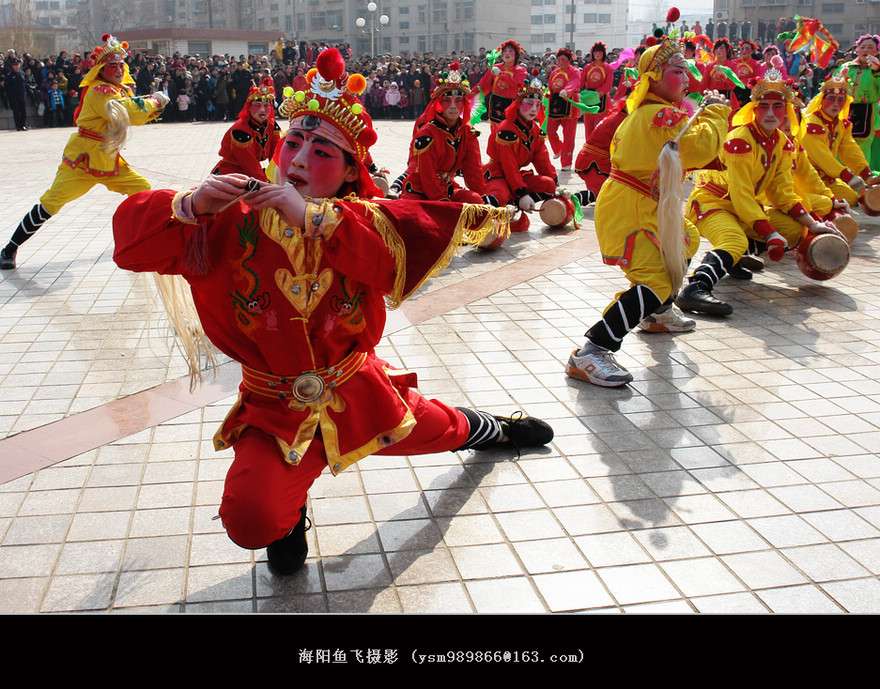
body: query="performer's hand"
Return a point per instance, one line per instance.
(527, 204)
(563, 94)
(823, 228)
(161, 98)
(873, 181)
(873, 62)
(856, 183)
(776, 246)
(715, 98)
(217, 192)
(841, 205)
(289, 203)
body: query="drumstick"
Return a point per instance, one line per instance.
(251, 187)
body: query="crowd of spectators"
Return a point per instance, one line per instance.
(213, 88)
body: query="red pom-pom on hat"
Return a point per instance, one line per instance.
(330, 64)
(105, 37)
(650, 41)
(673, 15)
(454, 66)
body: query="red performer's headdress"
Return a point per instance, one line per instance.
(330, 105)
(264, 92)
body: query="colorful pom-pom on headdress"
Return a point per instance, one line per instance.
(450, 81)
(265, 91)
(110, 47)
(331, 95)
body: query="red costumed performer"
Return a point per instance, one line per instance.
(254, 136)
(293, 285)
(564, 84)
(516, 144)
(501, 82)
(444, 144)
(599, 77)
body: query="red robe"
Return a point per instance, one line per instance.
(593, 164)
(599, 77)
(514, 146)
(285, 301)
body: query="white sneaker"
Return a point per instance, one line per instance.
(670, 321)
(597, 367)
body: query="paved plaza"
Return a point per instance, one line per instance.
(738, 473)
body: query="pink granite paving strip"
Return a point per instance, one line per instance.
(36, 449)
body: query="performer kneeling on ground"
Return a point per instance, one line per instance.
(108, 106)
(626, 212)
(444, 144)
(726, 206)
(517, 143)
(830, 144)
(293, 286)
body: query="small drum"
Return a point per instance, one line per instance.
(844, 222)
(492, 241)
(870, 200)
(822, 256)
(382, 183)
(556, 213)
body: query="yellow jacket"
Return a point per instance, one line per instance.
(83, 149)
(625, 206)
(832, 148)
(758, 171)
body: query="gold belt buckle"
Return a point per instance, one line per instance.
(308, 387)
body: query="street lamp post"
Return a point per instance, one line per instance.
(383, 22)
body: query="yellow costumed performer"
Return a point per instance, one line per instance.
(651, 246)
(830, 144)
(107, 108)
(726, 205)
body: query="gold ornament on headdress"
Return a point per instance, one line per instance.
(838, 83)
(111, 47)
(773, 82)
(332, 96)
(453, 80)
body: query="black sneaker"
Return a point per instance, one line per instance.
(7, 257)
(739, 272)
(287, 555)
(752, 263)
(696, 297)
(525, 431)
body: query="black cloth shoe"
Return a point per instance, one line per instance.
(739, 272)
(287, 555)
(752, 263)
(525, 431)
(7, 257)
(696, 297)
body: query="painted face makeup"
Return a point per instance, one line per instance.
(832, 104)
(113, 71)
(259, 111)
(673, 85)
(452, 106)
(769, 114)
(314, 165)
(528, 109)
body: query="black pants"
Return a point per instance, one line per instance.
(19, 113)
